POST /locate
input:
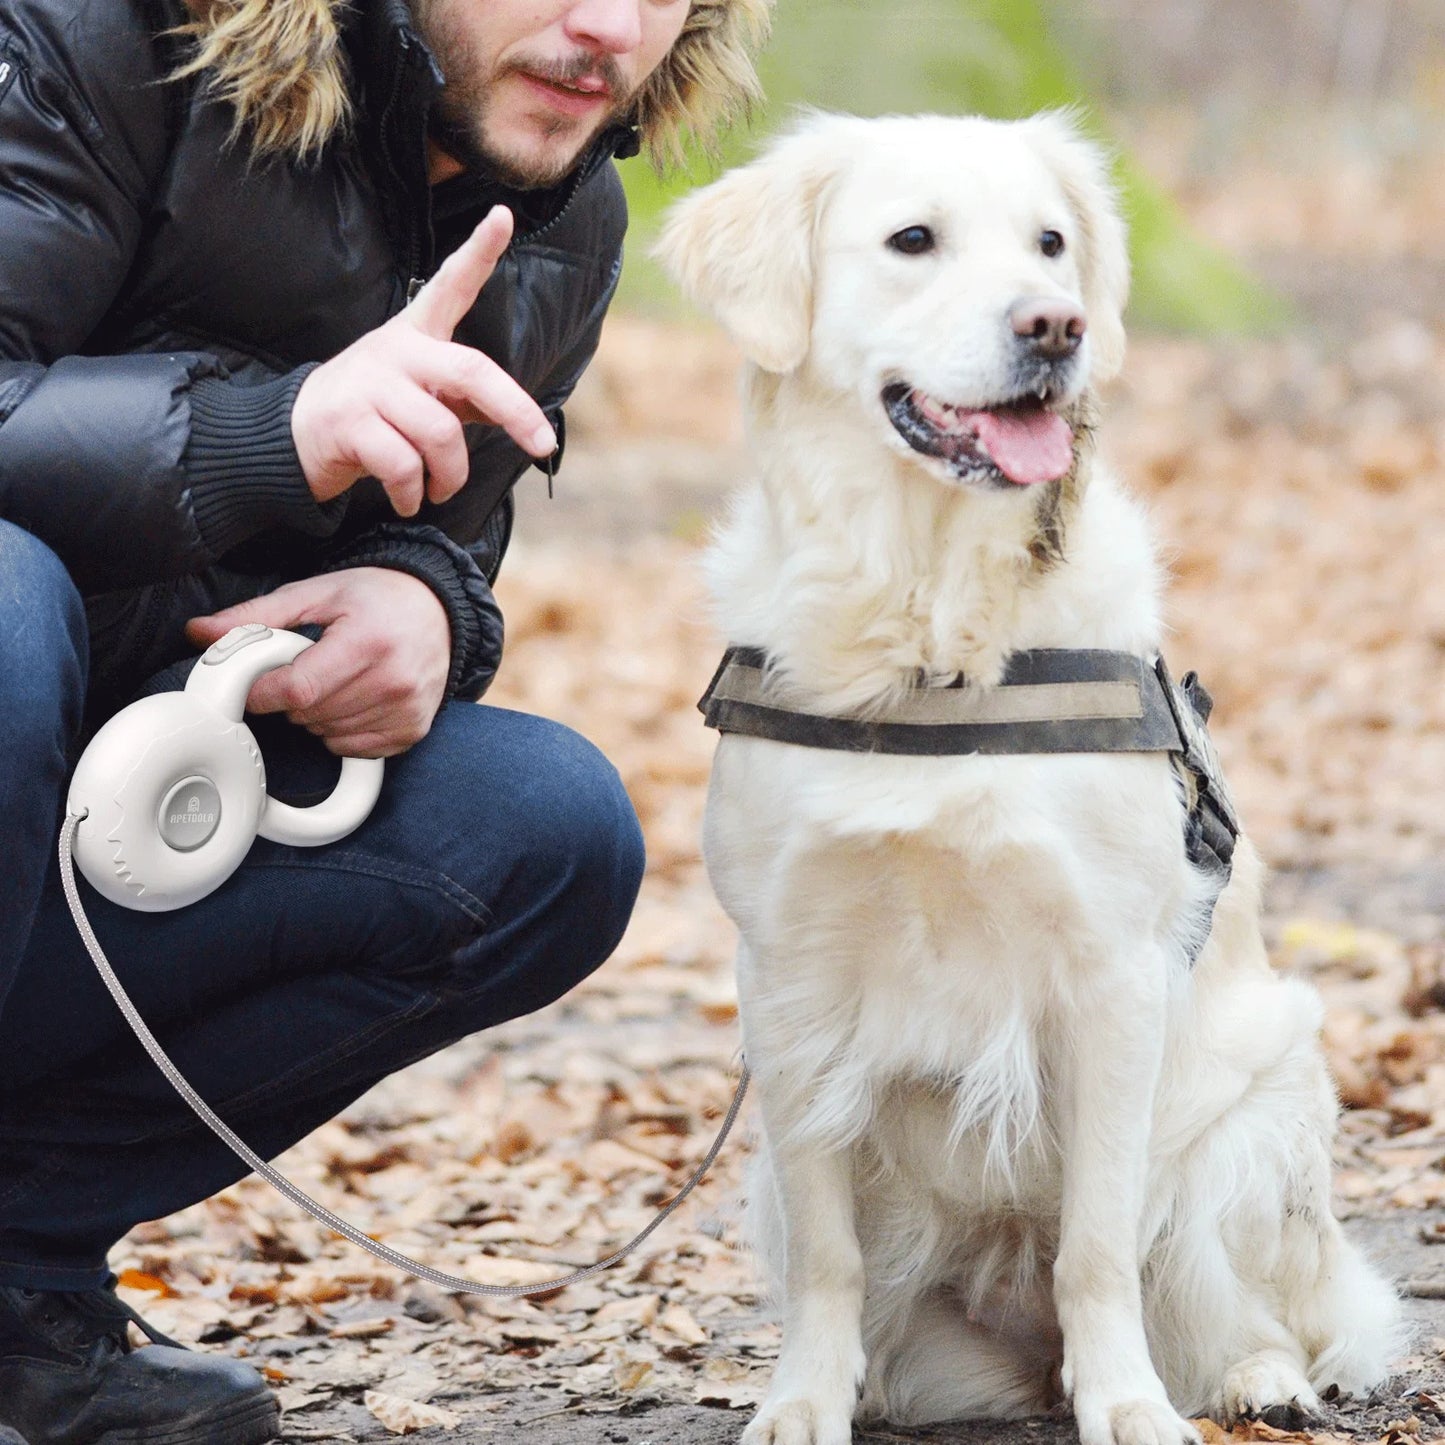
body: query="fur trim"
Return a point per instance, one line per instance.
(281, 65)
(708, 79)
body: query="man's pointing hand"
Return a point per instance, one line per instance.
(392, 405)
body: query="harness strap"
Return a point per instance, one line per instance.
(1050, 700)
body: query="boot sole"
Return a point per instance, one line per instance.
(252, 1422)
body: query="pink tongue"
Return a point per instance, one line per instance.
(1026, 446)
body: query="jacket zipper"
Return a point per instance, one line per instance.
(412, 260)
(415, 281)
(566, 206)
(584, 173)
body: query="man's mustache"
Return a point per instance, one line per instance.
(575, 69)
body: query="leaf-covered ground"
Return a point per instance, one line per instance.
(1299, 488)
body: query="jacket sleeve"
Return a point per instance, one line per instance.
(138, 467)
(461, 586)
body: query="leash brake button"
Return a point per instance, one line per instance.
(234, 641)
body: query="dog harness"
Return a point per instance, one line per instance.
(1050, 700)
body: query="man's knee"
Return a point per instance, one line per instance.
(533, 821)
(43, 646)
(582, 841)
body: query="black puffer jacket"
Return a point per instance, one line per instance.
(162, 298)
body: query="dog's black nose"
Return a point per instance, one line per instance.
(1049, 327)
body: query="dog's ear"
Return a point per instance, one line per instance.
(742, 247)
(1083, 171)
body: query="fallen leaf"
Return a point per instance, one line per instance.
(731, 1385)
(639, 1309)
(402, 1417)
(1402, 1432)
(148, 1283)
(678, 1321)
(363, 1329)
(628, 1374)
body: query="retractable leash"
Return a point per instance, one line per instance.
(165, 803)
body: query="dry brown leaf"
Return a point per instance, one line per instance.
(628, 1374)
(514, 1139)
(726, 1383)
(260, 1292)
(639, 1309)
(677, 1320)
(314, 1287)
(489, 1269)
(402, 1416)
(293, 1398)
(533, 1332)
(1256, 1430)
(1402, 1432)
(363, 1329)
(147, 1283)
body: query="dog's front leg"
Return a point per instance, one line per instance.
(1108, 1070)
(820, 1369)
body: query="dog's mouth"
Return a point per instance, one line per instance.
(1016, 443)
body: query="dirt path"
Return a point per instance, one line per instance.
(555, 1417)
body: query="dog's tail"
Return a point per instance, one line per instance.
(1344, 1312)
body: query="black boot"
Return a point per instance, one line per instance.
(68, 1376)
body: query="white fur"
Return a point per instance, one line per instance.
(1011, 1143)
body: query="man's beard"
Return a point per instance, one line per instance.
(460, 128)
(458, 120)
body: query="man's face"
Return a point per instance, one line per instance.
(530, 83)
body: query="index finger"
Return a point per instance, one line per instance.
(437, 309)
(476, 388)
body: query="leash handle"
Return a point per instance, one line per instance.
(174, 786)
(238, 1146)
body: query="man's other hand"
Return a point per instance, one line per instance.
(373, 683)
(392, 405)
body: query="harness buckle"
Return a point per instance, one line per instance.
(1211, 826)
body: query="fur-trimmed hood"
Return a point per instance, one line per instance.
(281, 65)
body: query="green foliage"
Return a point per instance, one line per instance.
(993, 57)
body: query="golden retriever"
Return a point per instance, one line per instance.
(1013, 1143)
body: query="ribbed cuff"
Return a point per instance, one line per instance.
(430, 556)
(241, 464)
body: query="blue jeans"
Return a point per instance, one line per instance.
(498, 869)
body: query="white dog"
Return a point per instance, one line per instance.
(1013, 1142)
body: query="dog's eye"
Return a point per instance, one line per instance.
(1051, 243)
(912, 240)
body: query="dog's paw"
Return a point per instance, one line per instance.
(799, 1422)
(1134, 1422)
(1269, 1388)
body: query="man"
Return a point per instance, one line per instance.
(216, 407)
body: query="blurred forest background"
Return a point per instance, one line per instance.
(1282, 412)
(1260, 81)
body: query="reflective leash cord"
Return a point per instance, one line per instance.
(317, 1211)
